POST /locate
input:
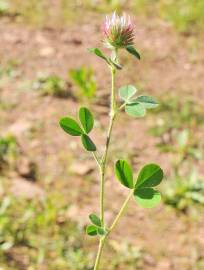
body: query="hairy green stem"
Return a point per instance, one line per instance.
(100, 249)
(102, 168)
(104, 158)
(114, 224)
(102, 189)
(97, 159)
(121, 212)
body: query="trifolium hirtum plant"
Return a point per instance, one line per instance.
(118, 33)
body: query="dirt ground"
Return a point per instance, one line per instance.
(169, 65)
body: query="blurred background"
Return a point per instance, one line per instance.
(49, 185)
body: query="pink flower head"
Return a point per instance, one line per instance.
(118, 31)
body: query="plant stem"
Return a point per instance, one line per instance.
(97, 159)
(104, 158)
(122, 106)
(100, 249)
(121, 212)
(102, 187)
(115, 222)
(102, 164)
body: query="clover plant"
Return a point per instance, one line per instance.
(118, 34)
